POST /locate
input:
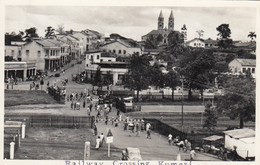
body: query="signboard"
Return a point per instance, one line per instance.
(109, 139)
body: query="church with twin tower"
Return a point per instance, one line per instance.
(161, 30)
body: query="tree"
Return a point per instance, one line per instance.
(200, 33)
(239, 99)
(211, 117)
(60, 29)
(197, 67)
(137, 77)
(50, 32)
(252, 35)
(224, 33)
(30, 34)
(157, 78)
(172, 80)
(12, 37)
(151, 43)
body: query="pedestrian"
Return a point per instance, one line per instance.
(125, 125)
(88, 111)
(75, 106)
(71, 105)
(170, 139)
(98, 142)
(106, 120)
(133, 128)
(137, 129)
(112, 120)
(95, 130)
(188, 146)
(84, 104)
(192, 154)
(181, 145)
(101, 139)
(148, 134)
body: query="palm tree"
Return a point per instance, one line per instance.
(252, 35)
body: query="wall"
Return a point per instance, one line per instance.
(9, 49)
(33, 56)
(116, 47)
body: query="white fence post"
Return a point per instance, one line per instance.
(12, 150)
(87, 150)
(23, 130)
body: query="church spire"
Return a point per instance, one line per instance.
(160, 21)
(171, 15)
(171, 22)
(161, 15)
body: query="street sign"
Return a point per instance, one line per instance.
(109, 133)
(109, 139)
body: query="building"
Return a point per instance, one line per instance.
(248, 46)
(162, 32)
(241, 66)
(196, 42)
(75, 45)
(121, 48)
(209, 43)
(107, 64)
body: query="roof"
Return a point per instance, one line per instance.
(129, 98)
(210, 41)
(245, 44)
(213, 138)
(119, 41)
(246, 62)
(45, 43)
(154, 32)
(194, 40)
(240, 133)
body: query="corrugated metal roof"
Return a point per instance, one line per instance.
(241, 133)
(45, 43)
(213, 138)
(247, 62)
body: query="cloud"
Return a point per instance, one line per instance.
(131, 21)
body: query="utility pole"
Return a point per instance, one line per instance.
(181, 103)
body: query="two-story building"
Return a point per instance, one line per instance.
(241, 66)
(107, 64)
(121, 48)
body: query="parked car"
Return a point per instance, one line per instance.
(131, 154)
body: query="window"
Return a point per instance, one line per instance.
(19, 53)
(12, 52)
(19, 59)
(253, 70)
(101, 60)
(124, 51)
(97, 57)
(27, 52)
(194, 44)
(119, 51)
(249, 69)
(109, 60)
(109, 51)
(114, 51)
(51, 53)
(39, 53)
(244, 70)
(47, 52)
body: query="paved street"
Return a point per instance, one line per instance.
(156, 148)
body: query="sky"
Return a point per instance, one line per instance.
(132, 22)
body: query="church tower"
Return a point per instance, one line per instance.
(171, 22)
(160, 21)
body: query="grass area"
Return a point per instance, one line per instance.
(62, 144)
(21, 97)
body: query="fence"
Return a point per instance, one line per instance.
(165, 129)
(56, 121)
(8, 138)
